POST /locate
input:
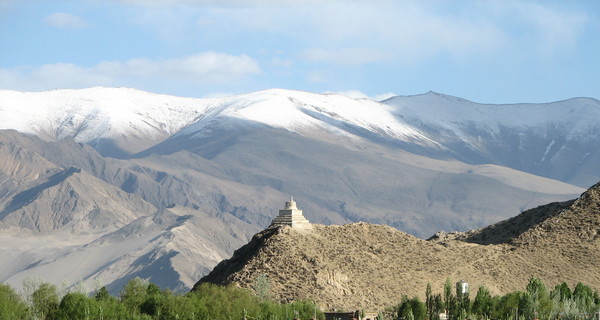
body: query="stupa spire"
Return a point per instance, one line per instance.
(290, 215)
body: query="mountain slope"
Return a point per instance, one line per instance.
(65, 225)
(172, 248)
(371, 266)
(558, 140)
(340, 185)
(47, 197)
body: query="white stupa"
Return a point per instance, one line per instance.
(291, 216)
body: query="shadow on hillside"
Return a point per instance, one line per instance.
(508, 230)
(25, 197)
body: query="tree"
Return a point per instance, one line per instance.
(102, 294)
(438, 306)
(429, 301)
(509, 306)
(134, 294)
(584, 297)
(11, 305)
(482, 305)
(447, 294)
(538, 304)
(561, 291)
(412, 309)
(153, 304)
(45, 300)
(76, 306)
(30, 284)
(262, 285)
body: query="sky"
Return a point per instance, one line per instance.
(498, 51)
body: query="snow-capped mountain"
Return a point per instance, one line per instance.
(559, 140)
(119, 115)
(136, 183)
(115, 121)
(305, 113)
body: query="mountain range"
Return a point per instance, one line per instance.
(104, 184)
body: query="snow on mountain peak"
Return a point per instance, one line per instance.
(302, 112)
(90, 114)
(140, 119)
(578, 114)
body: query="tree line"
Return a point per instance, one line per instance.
(142, 300)
(535, 302)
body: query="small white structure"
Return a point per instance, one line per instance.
(291, 216)
(462, 286)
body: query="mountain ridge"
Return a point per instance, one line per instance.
(558, 140)
(362, 265)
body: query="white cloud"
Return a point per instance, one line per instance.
(280, 63)
(316, 76)
(556, 29)
(199, 69)
(347, 56)
(65, 21)
(224, 3)
(360, 32)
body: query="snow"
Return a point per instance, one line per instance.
(452, 113)
(302, 111)
(89, 114)
(548, 148)
(114, 113)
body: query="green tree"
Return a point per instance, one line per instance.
(154, 301)
(429, 301)
(447, 294)
(11, 305)
(454, 309)
(538, 304)
(412, 309)
(45, 300)
(508, 306)
(134, 294)
(102, 295)
(438, 306)
(482, 305)
(76, 306)
(561, 291)
(584, 297)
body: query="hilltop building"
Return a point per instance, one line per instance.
(290, 215)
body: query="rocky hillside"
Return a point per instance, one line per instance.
(369, 266)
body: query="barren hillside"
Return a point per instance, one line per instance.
(369, 266)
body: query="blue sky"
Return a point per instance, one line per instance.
(485, 51)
